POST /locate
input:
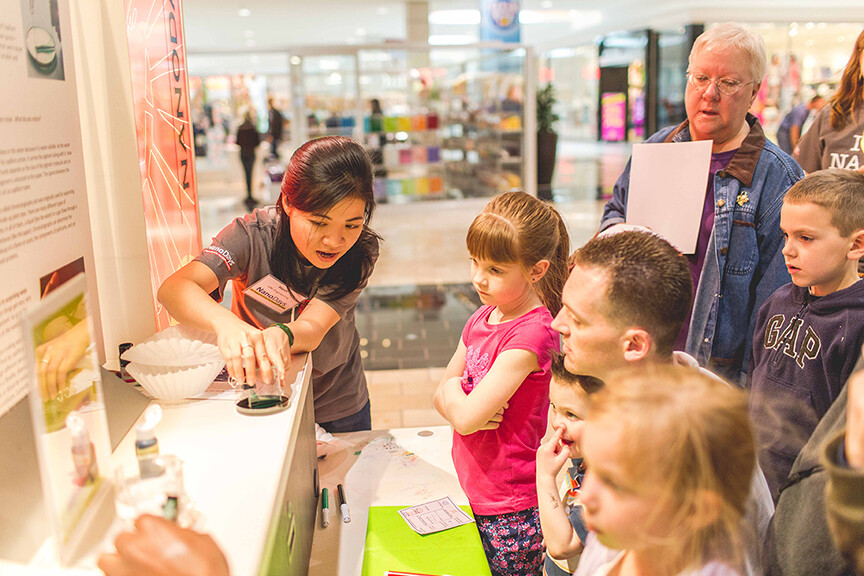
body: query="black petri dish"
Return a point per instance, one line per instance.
(262, 405)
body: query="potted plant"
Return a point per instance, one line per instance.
(547, 140)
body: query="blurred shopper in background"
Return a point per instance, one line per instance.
(835, 139)
(248, 140)
(791, 127)
(277, 124)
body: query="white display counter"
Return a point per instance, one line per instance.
(251, 478)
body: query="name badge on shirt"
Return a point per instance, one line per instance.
(273, 294)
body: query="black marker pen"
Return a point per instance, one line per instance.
(343, 504)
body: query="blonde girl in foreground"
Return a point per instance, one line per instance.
(669, 455)
(495, 391)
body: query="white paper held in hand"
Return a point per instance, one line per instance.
(668, 182)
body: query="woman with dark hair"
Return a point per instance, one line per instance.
(835, 138)
(297, 269)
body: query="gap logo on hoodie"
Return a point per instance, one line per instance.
(786, 336)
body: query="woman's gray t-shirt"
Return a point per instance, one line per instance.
(823, 147)
(241, 253)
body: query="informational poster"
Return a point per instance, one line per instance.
(160, 92)
(44, 220)
(613, 116)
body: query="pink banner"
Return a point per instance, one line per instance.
(160, 91)
(613, 119)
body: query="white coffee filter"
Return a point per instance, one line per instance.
(175, 347)
(174, 383)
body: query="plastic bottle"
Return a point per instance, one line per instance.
(83, 451)
(146, 445)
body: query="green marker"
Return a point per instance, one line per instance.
(325, 509)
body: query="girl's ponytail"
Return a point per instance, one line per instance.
(550, 287)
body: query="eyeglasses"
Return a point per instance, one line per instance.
(724, 85)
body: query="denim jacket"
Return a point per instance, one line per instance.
(743, 264)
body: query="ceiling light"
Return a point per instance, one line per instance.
(585, 19)
(244, 12)
(451, 39)
(382, 10)
(360, 32)
(793, 32)
(546, 4)
(295, 60)
(547, 16)
(455, 17)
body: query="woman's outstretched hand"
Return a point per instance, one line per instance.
(278, 349)
(244, 350)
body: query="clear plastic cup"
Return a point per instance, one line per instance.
(160, 495)
(262, 398)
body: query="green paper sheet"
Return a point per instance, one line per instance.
(392, 545)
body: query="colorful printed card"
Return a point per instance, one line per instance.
(435, 516)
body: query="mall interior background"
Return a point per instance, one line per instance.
(454, 125)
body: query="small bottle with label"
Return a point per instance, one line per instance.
(146, 445)
(83, 451)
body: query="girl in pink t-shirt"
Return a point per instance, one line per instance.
(495, 392)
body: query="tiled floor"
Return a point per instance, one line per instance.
(419, 296)
(404, 397)
(405, 327)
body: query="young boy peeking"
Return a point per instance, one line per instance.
(809, 332)
(564, 530)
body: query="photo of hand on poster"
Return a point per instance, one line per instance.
(42, 39)
(65, 370)
(68, 411)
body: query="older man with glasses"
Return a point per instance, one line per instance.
(737, 262)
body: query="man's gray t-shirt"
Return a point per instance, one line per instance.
(241, 253)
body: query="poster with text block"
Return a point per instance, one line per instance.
(44, 218)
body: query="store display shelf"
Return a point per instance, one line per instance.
(341, 131)
(432, 131)
(406, 166)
